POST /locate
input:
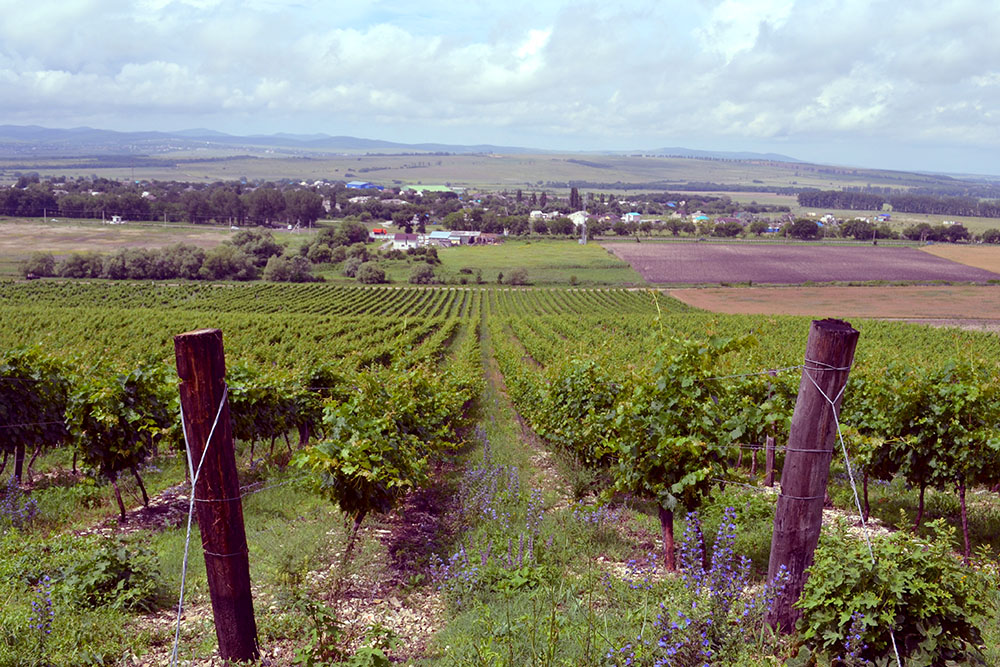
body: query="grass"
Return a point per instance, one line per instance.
(491, 171)
(554, 262)
(548, 263)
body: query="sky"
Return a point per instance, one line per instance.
(909, 85)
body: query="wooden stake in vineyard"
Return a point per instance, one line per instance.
(201, 366)
(798, 517)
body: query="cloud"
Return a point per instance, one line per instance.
(651, 73)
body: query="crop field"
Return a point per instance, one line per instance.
(663, 263)
(507, 171)
(484, 474)
(959, 305)
(980, 256)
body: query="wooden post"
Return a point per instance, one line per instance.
(799, 514)
(201, 366)
(769, 464)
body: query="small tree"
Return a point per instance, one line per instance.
(370, 273)
(39, 264)
(991, 236)
(351, 266)
(422, 274)
(518, 276)
(804, 229)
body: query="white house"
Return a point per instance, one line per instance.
(405, 241)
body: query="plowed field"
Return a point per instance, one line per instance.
(699, 263)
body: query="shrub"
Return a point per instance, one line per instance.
(991, 236)
(518, 276)
(805, 229)
(359, 250)
(82, 265)
(116, 575)
(296, 269)
(320, 254)
(39, 264)
(370, 273)
(226, 262)
(919, 589)
(351, 267)
(423, 274)
(259, 245)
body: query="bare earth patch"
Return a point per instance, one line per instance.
(694, 263)
(981, 256)
(970, 306)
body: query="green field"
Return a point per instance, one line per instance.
(546, 262)
(489, 171)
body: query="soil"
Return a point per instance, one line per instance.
(966, 306)
(696, 263)
(389, 593)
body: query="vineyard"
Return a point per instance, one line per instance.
(452, 475)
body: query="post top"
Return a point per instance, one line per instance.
(834, 325)
(199, 332)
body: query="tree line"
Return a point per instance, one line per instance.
(902, 202)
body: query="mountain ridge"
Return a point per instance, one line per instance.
(92, 141)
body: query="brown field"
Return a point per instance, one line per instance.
(981, 256)
(699, 263)
(974, 306)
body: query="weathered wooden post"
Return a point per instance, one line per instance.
(201, 366)
(799, 514)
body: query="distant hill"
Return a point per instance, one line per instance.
(20, 140)
(720, 155)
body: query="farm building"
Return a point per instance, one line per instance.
(464, 238)
(405, 241)
(363, 185)
(379, 233)
(440, 237)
